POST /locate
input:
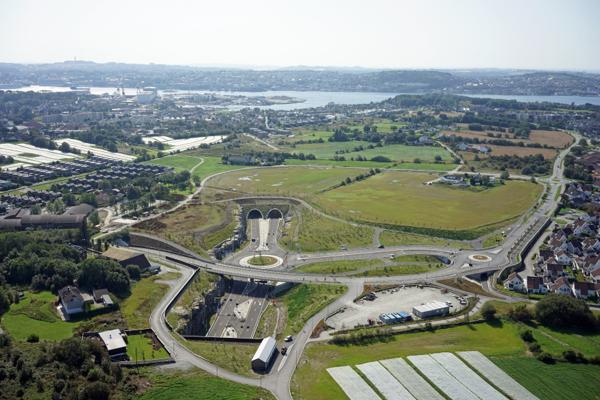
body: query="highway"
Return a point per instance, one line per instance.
(278, 381)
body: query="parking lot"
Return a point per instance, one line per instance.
(389, 301)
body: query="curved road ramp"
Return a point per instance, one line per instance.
(445, 373)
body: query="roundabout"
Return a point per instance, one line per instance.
(261, 261)
(480, 258)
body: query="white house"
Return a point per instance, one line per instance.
(561, 286)
(71, 300)
(514, 282)
(535, 285)
(562, 257)
(584, 290)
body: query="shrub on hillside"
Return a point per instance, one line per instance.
(561, 311)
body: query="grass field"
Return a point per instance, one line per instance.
(199, 385)
(262, 260)
(310, 232)
(295, 181)
(234, 357)
(303, 301)
(500, 341)
(424, 166)
(179, 162)
(393, 238)
(141, 348)
(36, 314)
(338, 267)
(145, 294)
(553, 382)
(403, 200)
(311, 381)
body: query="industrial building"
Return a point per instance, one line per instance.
(264, 354)
(433, 309)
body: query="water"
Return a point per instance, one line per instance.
(318, 99)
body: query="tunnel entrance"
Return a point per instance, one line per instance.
(254, 214)
(275, 213)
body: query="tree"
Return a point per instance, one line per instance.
(504, 175)
(488, 311)
(94, 218)
(438, 158)
(559, 311)
(36, 209)
(56, 206)
(65, 147)
(134, 272)
(520, 313)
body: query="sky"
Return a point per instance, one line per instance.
(524, 34)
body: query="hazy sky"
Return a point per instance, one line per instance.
(549, 34)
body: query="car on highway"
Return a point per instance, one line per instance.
(288, 338)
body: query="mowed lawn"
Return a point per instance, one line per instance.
(293, 181)
(401, 198)
(141, 348)
(35, 314)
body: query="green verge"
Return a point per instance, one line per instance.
(234, 357)
(303, 301)
(145, 295)
(199, 385)
(311, 232)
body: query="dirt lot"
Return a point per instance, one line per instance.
(391, 300)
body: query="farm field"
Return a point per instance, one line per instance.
(499, 341)
(35, 314)
(310, 232)
(427, 206)
(199, 385)
(423, 166)
(395, 152)
(554, 139)
(521, 151)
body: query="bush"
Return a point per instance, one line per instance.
(527, 336)
(134, 272)
(33, 338)
(488, 311)
(95, 391)
(534, 347)
(546, 358)
(572, 357)
(564, 312)
(520, 313)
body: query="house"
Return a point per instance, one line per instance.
(424, 140)
(514, 282)
(71, 300)
(102, 296)
(587, 263)
(581, 227)
(535, 285)
(591, 245)
(561, 286)
(127, 257)
(584, 290)
(114, 343)
(553, 271)
(562, 257)
(557, 244)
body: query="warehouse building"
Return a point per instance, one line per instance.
(264, 355)
(433, 309)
